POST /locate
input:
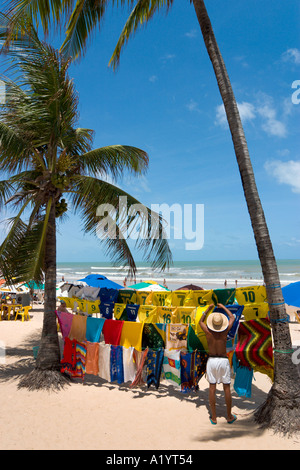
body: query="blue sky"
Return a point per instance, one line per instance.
(164, 99)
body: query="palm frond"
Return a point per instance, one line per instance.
(46, 12)
(86, 15)
(140, 15)
(6, 191)
(22, 252)
(114, 160)
(89, 193)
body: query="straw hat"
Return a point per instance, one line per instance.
(217, 322)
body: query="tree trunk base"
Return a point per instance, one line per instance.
(39, 379)
(280, 412)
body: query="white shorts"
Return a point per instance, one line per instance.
(218, 370)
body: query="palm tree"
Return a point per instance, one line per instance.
(50, 167)
(281, 411)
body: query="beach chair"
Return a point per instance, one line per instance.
(24, 313)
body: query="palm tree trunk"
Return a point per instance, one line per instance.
(281, 411)
(47, 369)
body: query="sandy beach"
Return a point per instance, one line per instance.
(95, 414)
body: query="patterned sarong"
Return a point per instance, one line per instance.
(193, 367)
(140, 358)
(171, 367)
(254, 346)
(154, 362)
(152, 336)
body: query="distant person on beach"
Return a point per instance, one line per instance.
(125, 282)
(165, 284)
(218, 367)
(235, 284)
(225, 284)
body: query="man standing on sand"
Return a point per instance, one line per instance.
(218, 367)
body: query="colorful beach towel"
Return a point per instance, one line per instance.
(171, 368)
(65, 322)
(243, 378)
(112, 330)
(193, 367)
(237, 311)
(131, 336)
(92, 358)
(139, 358)
(196, 339)
(78, 328)
(153, 364)
(68, 361)
(116, 364)
(176, 336)
(153, 336)
(94, 328)
(80, 359)
(254, 346)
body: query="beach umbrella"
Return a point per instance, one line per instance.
(139, 286)
(291, 294)
(190, 287)
(155, 288)
(34, 285)
(98, 280)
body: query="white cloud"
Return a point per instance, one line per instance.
(246, 110)
(153, 78)
(193, 105)
(271, 125)
(264, 110)
(292, 55)
(192, 34)
(285, 173)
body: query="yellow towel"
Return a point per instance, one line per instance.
(131, 335)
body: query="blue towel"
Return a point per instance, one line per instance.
(94, 328)
(243, 378)
(116, 364)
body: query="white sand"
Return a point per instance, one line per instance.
(99, 415)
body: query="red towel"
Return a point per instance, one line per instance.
(112, 330)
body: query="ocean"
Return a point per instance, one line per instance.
(205, 274)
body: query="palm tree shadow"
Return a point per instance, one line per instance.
(19, 361)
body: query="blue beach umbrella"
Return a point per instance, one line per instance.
(291, 294)
(98, 280)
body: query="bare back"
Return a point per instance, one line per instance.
(216, 342)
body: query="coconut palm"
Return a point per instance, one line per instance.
(51, 168)
(281, 411)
